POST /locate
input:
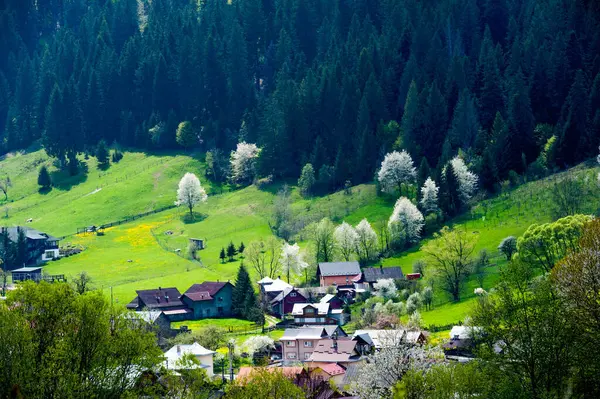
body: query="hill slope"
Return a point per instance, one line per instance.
(145, 253)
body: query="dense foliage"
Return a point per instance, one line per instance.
(514, 84)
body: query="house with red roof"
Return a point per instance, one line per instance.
(209, 300)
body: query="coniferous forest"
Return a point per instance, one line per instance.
(513, 84)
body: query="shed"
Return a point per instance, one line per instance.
(198, 243)
(27, 273)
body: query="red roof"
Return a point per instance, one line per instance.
(332, 369)
(205, 291)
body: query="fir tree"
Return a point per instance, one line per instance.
(243, 297)
(102, 154)
(222, 255)
(44, 179)
(450, 195)
(241, 248)
(231, 251)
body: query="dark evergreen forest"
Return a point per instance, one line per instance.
(513, 84)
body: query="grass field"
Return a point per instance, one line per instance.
(145, 253)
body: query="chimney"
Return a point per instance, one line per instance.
(166, 297)
(178, 349)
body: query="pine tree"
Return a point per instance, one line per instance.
(44, 179)
(241, 248)
(222, 255)
(450, 196)
(574, 141)
(231, 251)
(21, 248)
(488, 173)
(102, 155)
(243, 297)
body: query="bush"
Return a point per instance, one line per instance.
(433, 222)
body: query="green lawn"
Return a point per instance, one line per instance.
(222, 323)
(145, 253)
(140, 182)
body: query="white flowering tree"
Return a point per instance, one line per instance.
(256, 344)
(406, 221)
(429, 196)
(346, 239)
(366, 243)
(467, 180)
(291, 260)
(243, 162)
(396, 169)
(190, 192)
(386, 288)
(377, 376)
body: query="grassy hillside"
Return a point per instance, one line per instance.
(138, 183)
(146, 253)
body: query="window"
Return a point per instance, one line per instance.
(291, 355)
(308, 344)
(220, 299)
(290, 343)
(307, 355)
(293, 294)
(309, 310)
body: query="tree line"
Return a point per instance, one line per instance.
(514, 85)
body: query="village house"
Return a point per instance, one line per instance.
(167, 300)
(389, 338)
(299, 343)
(338, 273)
(174, 358)
(157, 322)
(333, 300)
(371, 275)
(462, 343)
(209, 299)
(283, 303)
(318, 313)
(343, 351)
(271, 288)
(41, 247)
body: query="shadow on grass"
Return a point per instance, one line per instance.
(195, 218)
(62, 180)
(44, 190)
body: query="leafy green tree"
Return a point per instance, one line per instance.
(264, 383)
(450, 255)
(306, 180)
(542, 246)
(528, 320)
(44, 179)
(185, 135)
(70, 345)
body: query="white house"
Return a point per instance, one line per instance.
(174, 356)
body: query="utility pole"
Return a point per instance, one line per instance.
(230, 347)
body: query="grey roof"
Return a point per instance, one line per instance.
(372, 274)
(321, 308)
(27, 270)
(339, 268)
(331, 328)
(30, 233)
(149, 316)
(291, 334)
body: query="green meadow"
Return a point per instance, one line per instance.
(150, 251)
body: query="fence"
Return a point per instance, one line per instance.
(127, 219)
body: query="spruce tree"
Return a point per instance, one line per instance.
(574, 140)
(231, 251)
(241, 248)
(450, 197)
(243, 297)
(44, 179)
(102, 155)
(222, 255)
